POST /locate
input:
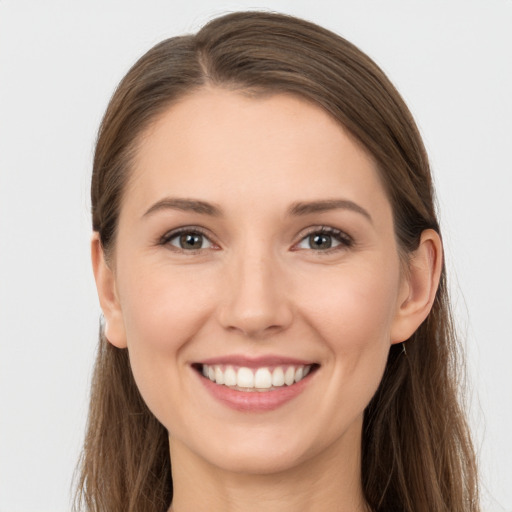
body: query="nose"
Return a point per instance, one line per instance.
(256, 297)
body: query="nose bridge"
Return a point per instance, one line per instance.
(256, 300)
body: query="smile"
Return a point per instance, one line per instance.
(255, 385)
(255, 379)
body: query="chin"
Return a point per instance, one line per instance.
(250, 460)
(261, 450)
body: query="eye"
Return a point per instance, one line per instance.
(187, 240)
(324, 239)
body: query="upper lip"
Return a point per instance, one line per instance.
(255, 362)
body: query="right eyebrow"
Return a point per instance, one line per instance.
(306, 208)
(186, 205)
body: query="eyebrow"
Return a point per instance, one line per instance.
(306, 208)
(296, 209)
(186, 205)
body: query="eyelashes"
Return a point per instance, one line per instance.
(190, 239)
(193, 239)
(324, 239)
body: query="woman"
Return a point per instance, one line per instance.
(270, 269)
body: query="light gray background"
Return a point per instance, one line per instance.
(59, 63)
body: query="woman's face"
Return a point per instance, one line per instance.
(256, 246)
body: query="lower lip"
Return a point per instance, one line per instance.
(255, 401)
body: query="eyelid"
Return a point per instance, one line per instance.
(345, 240)
(173, 233)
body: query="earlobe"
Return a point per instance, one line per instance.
(106, 286)
(419, 287)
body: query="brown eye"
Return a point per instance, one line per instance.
(320, 241)
(189, 241)
(325, 239)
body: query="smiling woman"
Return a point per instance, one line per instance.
(270, 269)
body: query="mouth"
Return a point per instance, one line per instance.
(255, 385)
(255, 378)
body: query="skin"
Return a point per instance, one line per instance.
(257, 286)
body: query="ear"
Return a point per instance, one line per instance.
(105, 284)
(419, 286)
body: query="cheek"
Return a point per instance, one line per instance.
(162, 308)
(356, 308)
(162, 312)
(353, 321)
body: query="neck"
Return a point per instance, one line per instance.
(330, 481)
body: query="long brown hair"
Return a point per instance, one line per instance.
(416, 449)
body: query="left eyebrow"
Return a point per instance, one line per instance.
(306, 208)
(186, 205)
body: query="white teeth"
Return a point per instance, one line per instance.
(289, 376)
(245, 378)
(219, 376)
(278, 377)
(229, 376)
(262, 378)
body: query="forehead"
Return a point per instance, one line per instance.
(223, 145)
